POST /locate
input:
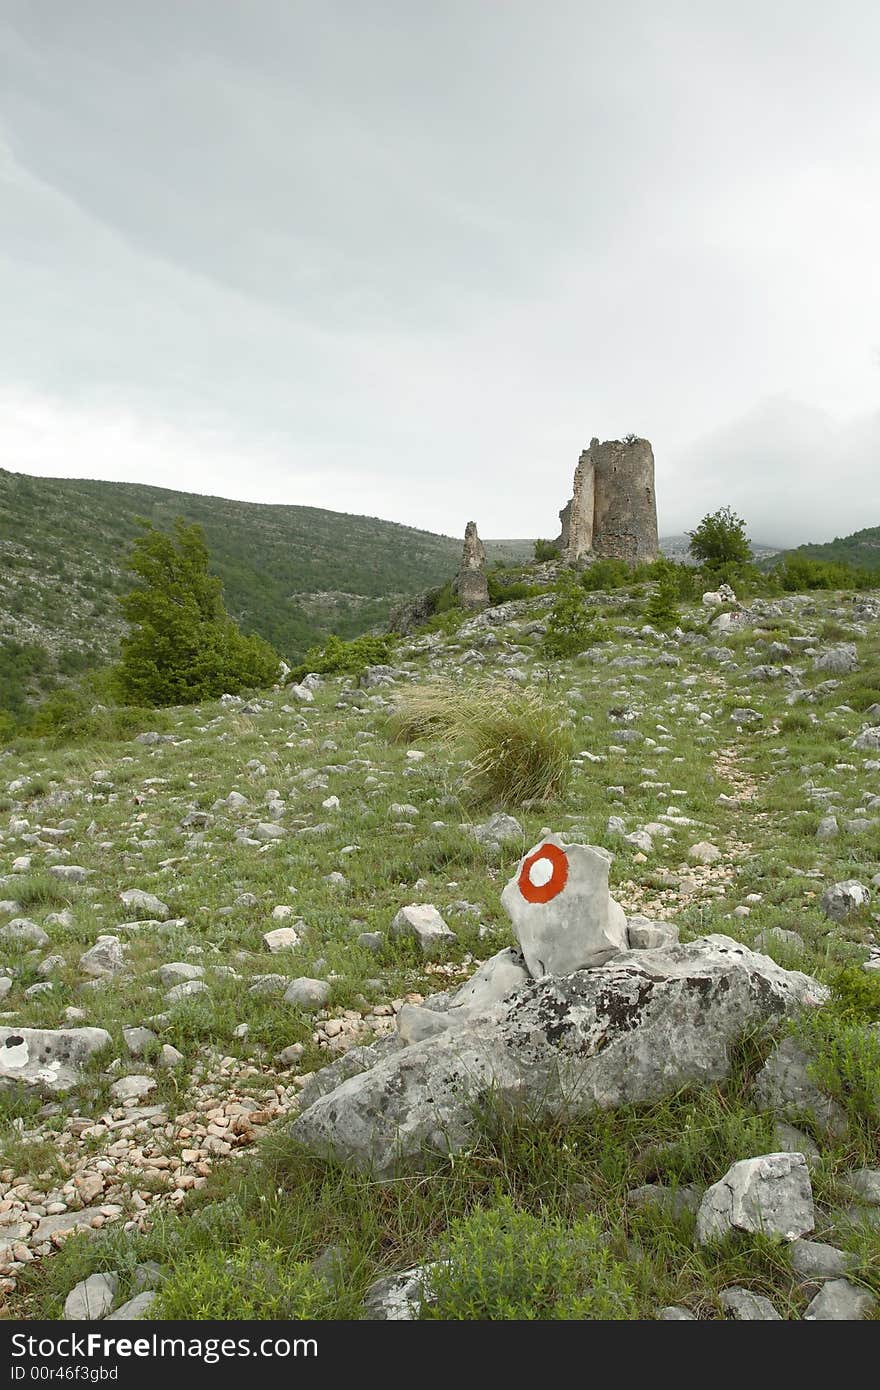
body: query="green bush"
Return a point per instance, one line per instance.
(546, 550)
(661, 610)
(258, 1283)
(506, 592)
(799, 574)
(183, 646)
(606, 573)
(337, 657)
(571, 625)
(507, 1265)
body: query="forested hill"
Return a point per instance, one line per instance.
(861, 549)
(290, 573)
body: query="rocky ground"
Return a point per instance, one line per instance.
(219, 901)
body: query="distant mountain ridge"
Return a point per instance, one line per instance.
(293, 574)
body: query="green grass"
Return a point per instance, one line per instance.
(264, 1217)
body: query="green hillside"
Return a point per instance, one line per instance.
(292, 574)
(861, 549)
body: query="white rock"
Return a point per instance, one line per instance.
(92, 1298)
(423, 921)
(281, 939)
(146, 902)
(769, 1194)
(562, 912)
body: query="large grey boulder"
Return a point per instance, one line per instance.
(868, 740)
(49, 1059)
(91, 1298)
(562, 912)
(631, 1031)
(770, 1194)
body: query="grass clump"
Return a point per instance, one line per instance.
(517, 744)
(502, 1264)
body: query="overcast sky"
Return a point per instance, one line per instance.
(406, 257)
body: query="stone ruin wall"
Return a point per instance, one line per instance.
(613, 510)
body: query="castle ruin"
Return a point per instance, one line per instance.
(613, 509)
(470, 584)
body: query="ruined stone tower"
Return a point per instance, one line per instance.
(470, 584)
(613, 509)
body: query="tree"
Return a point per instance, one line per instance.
(720, 540)
(661, 610)
(571, 626)
(183, 646)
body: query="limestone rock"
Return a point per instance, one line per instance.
(49, 1059)
(22, 931)
(746, 1306)
(132, 1087)
(497, 829)
(147, 903)
(840, 1301)
(306, 993)
(841, 900)
(562, 912)
(91, 1298)
(281, 939)
(631, 1031)
(784, 1085)
(839, 661)
(645, 935)
(106, 957)
(397, 1297)
(137, 1307)
(813, 1260)
(868, 739)
(423, 921)
(770, 1194)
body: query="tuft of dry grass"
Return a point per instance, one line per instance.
(517, 743)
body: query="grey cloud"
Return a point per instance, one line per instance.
(418, 255)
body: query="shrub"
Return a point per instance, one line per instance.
(183, 646)
(517, 743)
(75, 715)
(799, 574)
(546, 550)
(606, 574)
(514, 589)
(571, 627)
(661, 610)
(337, 657)
(256, 1283)
(506, 1265)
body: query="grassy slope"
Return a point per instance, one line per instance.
(292, 574)
(256, 1220)
(862, 549)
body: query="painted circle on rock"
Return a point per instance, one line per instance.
(543, 875)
